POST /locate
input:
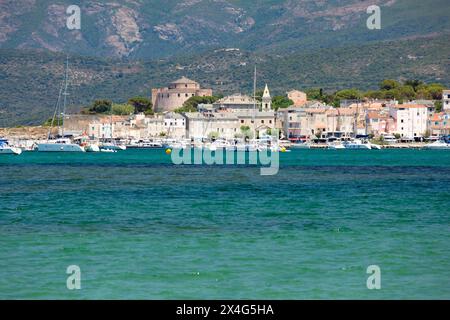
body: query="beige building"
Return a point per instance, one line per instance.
(298, 97)
(172, 97)
(202, 125)
(237, 102)
(310, 123)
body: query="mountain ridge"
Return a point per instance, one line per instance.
(149, 29)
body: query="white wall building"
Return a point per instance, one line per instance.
(411, 120)
(446, 99)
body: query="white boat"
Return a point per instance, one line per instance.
(6, 149)
(357, 144)
(59, 145)
(63, 144)
(438, 145)
(112, 146)
(92, 148)
(336, 145)
(303, 145)
(374, 146)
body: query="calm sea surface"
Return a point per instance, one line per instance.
(140, 227)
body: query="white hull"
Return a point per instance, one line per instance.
(92, 148)
(336, 146)
(10, 150)
(375, 147)
(113, 147)
(300, 146)
(438, 146)
(59, 147)
(358, 146)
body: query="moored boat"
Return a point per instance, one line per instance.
(438, 145)
(5, 148)
(357, 144)
(59, 145)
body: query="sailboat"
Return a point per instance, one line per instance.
(62, 144)
(5, 148)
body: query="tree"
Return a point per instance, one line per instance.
(435, 90)
(193, 102)
(213, 135)
(348, 94)
(281, 102)
(438, 105)
(246, 132)
(122, 109)
(141, 104)
(101, 106)
(185, 109)
(407, 92)
(315, 94)
(389, 84)
(413, 83)
(374, 94)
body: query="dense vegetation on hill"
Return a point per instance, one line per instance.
(30, 80)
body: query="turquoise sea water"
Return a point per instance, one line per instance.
(140, 227)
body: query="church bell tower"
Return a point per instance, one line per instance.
(266, 100)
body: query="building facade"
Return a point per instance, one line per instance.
(173, 97)
(411, 120)
(446, 100)
(298, 97)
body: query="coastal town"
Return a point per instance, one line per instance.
(362, 123)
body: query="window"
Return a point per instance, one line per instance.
(186, 95)
(179, 95)
(270, 121)
(242, 121)
(262, 121)
(401, 121)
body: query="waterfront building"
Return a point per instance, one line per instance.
(379, 123)
(311, 123)
(439, 124)
(446, 100)
(204, 125)
(260, 121)
(175, 125)
(411, 120)
(173, 97)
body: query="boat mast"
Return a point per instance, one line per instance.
(254, 104)
(65, 95)
(55, 113)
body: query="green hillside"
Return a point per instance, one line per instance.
(29, 80)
